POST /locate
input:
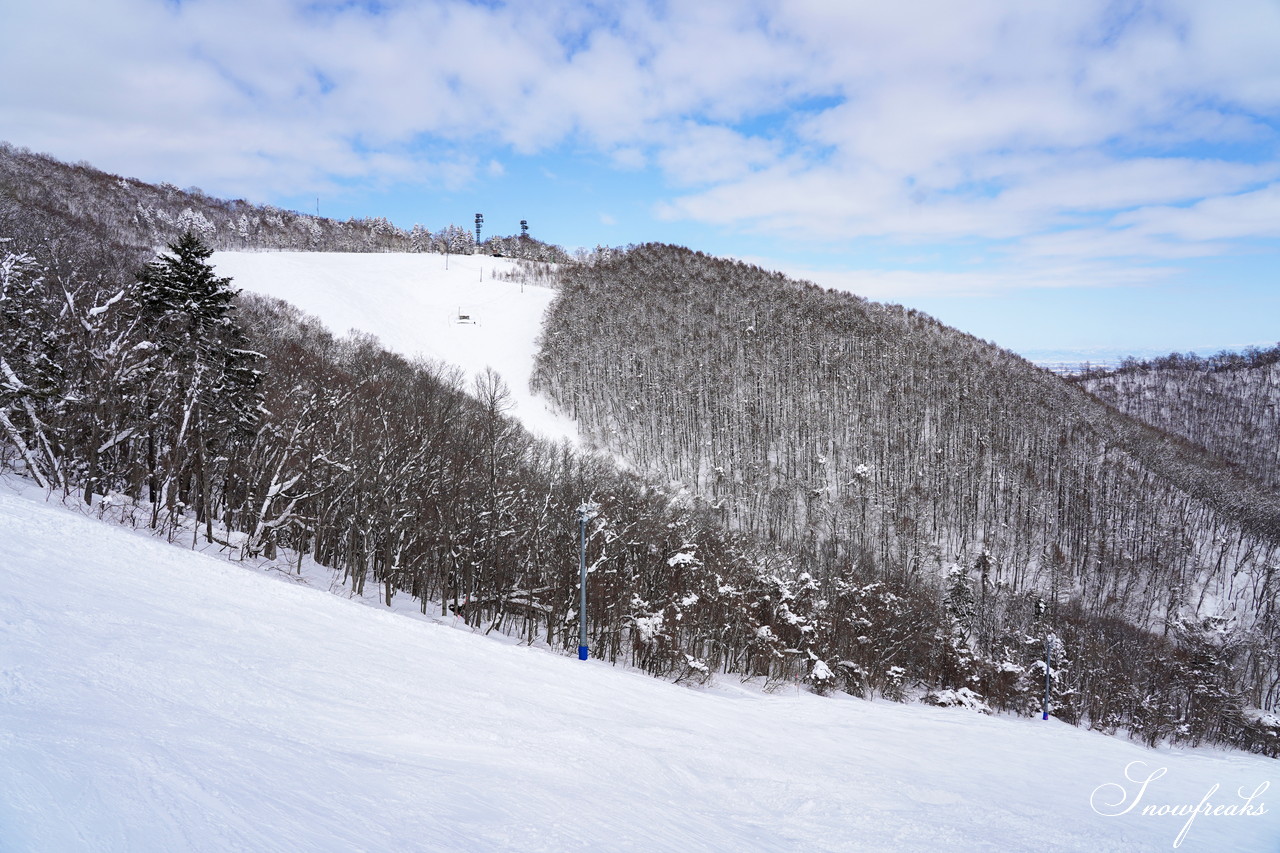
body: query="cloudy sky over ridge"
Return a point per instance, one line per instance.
(1059, 175)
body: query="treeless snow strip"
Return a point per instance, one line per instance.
(417, 307)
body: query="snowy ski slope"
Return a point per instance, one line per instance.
(155, 699)
(414, 304)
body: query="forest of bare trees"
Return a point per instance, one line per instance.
(127, 211)
(859, 434)
(1228, 403)
(822, 490)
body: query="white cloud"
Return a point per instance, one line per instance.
(1138, 129)
(711, 154)
(1246, 215)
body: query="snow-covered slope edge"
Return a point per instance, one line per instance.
(449, 309)
(156, 699)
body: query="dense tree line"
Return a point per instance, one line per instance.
(129, 212)
(1226, 360)
(1228, 403)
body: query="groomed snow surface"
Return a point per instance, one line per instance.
(444, 308)
(155, 699)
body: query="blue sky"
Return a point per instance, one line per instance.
(1054, 176)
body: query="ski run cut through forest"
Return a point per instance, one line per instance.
(469, 311)
(156, 699)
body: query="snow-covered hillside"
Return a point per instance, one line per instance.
(1235, 413)
(153, 699)
(417, 306)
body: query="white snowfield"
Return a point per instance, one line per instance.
(418, 307)
(155, 699)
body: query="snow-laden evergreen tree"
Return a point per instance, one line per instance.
(204, 389)
(456, 240)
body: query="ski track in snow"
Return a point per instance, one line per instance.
(156, 699)
(412, 303)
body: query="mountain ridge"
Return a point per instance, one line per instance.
(860, 431)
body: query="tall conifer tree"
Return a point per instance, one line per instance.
(204, 392)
